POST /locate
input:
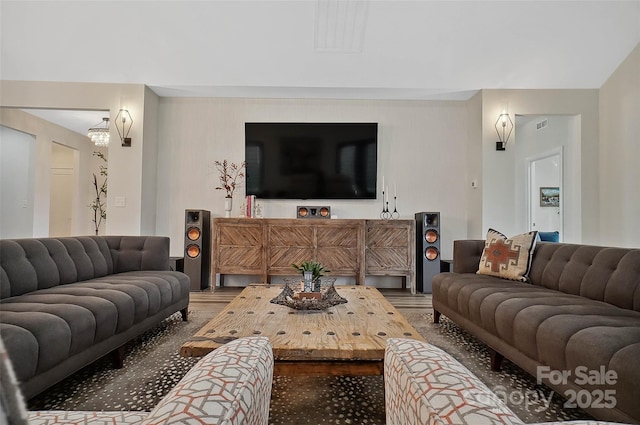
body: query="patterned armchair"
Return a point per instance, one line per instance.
(229, 386)
(425, 385)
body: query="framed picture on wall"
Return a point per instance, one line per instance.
(549, 196)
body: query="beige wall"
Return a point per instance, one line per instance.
(619, 173)
(150, 169)
(46, 134)
(499, 167)
(474, 167)
(422, 147)
(126, 163)
(433, 150)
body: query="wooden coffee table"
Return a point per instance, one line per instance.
(346, 339)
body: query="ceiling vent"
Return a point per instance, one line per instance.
(340, 25)
(542, 124)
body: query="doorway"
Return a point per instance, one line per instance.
(64, 187)
(17, 183)
(545, 191)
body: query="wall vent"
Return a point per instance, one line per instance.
(542, 124)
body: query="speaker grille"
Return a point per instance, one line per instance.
(431, 236)
(193, 217)
(193, 233)
(193, 251)
(431, 219)
(431, 253)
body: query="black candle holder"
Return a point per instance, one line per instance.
(386, 213)
(395, 214)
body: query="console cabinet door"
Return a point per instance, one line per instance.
(238, 247)
(390, 248)
(288, 242)
(339, 247)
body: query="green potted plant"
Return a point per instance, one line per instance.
(317, 271)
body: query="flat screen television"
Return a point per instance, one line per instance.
(311, 160)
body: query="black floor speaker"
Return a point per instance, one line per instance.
(427, 249)
(197, 248)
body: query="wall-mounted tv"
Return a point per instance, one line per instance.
(311, 160)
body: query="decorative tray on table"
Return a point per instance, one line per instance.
(293, 297)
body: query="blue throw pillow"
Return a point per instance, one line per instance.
(549, 236)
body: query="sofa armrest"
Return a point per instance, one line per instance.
(231, 385)
(425, 385)
(466, 255)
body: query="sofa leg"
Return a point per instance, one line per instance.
(118, 357)
(436, 316)
(496, 360)
(185, 314)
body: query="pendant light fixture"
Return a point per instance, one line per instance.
(100, 135)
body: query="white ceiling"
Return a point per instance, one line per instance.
(385, 49)
(74, 120)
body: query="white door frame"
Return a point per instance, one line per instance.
(530, 203)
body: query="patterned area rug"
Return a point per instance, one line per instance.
(153, 366)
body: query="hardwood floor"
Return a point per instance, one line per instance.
(399, 298)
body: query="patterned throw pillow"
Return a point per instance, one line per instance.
(508, 258)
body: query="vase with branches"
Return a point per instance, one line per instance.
(99, 205)
(231, 176)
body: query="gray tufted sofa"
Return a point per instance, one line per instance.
(579, 316)
(66, 302)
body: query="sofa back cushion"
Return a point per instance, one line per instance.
(604, 274)
(138, 253)
(27, 265)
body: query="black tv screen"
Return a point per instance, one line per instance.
(311, 160)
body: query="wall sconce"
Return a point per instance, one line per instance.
(100, 135)
(504, 127)
(123, 125)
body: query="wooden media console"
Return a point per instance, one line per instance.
(348, 247)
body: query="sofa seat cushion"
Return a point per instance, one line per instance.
(42, 328)
(163, 288)
(539, 322)
(552, 328)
